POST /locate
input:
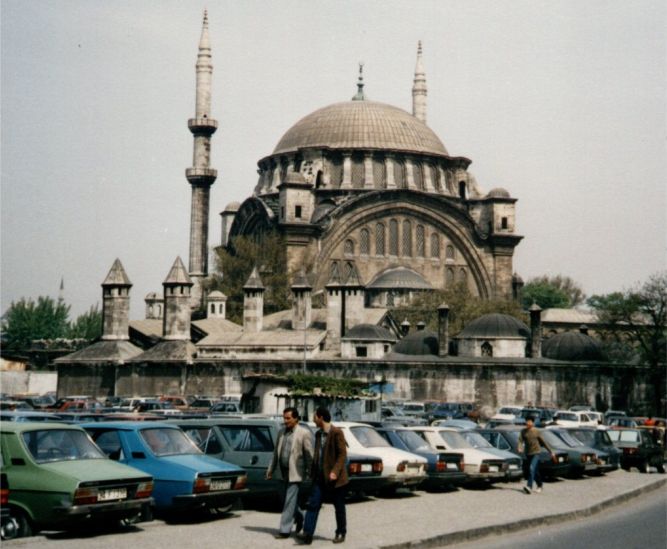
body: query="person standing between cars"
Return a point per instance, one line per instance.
(293, 453)
(329, 477)
(530, 441)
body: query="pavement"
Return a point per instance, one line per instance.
(410, 520)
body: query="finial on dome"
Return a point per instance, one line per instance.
(359, 96)
(206, 20)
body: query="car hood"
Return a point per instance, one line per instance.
(198, 463)
(86, 470)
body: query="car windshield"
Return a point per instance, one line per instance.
(567, 417)
(553, 440)
(569, 439)
(60, 445)
(368, 437)
(453, 440)
(509, 411)
(626, 436)
(586, 437)
(168, 442)
(413, 441)
(476, 440)
(413, 407)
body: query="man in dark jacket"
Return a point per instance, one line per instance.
(531, 441)
(329, 477)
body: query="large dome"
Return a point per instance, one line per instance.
(362, 125)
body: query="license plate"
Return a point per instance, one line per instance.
(513, 467)
(366, 468)
(493, 469)
(109, 495)
(452, 466)
(221, 485)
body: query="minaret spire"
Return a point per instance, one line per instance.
(201, 176)
(419, 88)
(359, 96)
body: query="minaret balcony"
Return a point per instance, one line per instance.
(201, 176)
(202, 126)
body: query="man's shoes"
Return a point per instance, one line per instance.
(538, 490)
(298, 521)
(340, 538)
(526, 489)
(280, 535)
(304, 539)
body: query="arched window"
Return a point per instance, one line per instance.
(393, 237)
(420, 241)
(418, 175)
(348, 247)
(399, 174)
(407, 238)
(379, 239)
(212, 308)
(449, 277)
(364, 242)
(435, 245)
(462, 190)
(349, 269)
(463, 276)
(487, 349)
(450, 253)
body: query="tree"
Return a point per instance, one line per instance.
(548, 292)
(639, 315)
(26, 320)
(235, 264)
(87, 326)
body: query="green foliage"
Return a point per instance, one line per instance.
(235, 265)
(463, 307)
(88, 325)
(26, 320)
(545, 295)
(564, 286)
(305, 385)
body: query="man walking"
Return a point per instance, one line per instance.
(531, 440)
(294, 454)
(329, 476)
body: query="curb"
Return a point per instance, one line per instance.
(477, 533)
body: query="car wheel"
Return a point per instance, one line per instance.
(9, 529)
(661, 467)
(25, 528)
(643, 466)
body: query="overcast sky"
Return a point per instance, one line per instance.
(562, 103)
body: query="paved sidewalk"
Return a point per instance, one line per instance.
(409, 521)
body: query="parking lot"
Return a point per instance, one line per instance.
(411, 519)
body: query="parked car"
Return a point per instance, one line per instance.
(226, 407)
(639, 449)
(542, 416)
(458, 424)
(582, 459)
(506, 437)
(509, 413)
(9, 528)
(444, 469)
(478, 465)
(184, 477)
(514, 469)
(27, 415)
(598, 439)
(59, 478)
(623, 422)
(566, 418)
(451, 410)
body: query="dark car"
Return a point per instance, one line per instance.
(598, 439)
(541, 416)
(444, 469)
(506, 437)
(583, 460)
(639, 449)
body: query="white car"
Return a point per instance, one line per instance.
(401, 469)
(507, 413)
(567, 418)
(478, 465)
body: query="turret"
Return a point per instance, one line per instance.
(201, 176)
(253, 303)
(302, 305)
(443, 330)
(334, 307)
(419, 91)
(216, 305)
(154, 306)
(177, 286)
(116, 303)
(535, 330)
(353, 298)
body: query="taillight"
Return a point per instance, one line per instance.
(241, 482)
(462, 465)
(484, 468)
(401, 466)
(354, 468)
(85, 496)
(440, 466)
(4, 496)
(202, 484)
(377, 467)
(629, 450)
(144, 490)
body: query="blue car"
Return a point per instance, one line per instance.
(184, 477)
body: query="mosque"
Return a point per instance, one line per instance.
(373, 209)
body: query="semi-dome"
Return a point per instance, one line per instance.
(572, 346)
(361, 125)
(216, 294)
(233, 207)
(399, 278)
(495, 325)
(498, 192)
(422, 342)
(369, 332)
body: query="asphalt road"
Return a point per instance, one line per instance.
(640, 523)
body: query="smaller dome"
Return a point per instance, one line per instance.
(498, 192)
(369, 332)
(423, 342)
(399, 278)
(215, 294)
(495, 325)
(572, 346)
(232, 207)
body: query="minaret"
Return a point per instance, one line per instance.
(419, 88)
(201, 176)
(116, 304)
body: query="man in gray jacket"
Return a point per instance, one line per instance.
(294, 455)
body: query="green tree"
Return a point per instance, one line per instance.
(87, 326)
(27, 320)
(235, 264)
(548, 292)
(639, 316)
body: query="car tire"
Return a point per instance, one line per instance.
(661, 467)
(25, 528)
(643, 466)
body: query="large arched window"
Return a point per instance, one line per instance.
(348, 247)
(435, 245)
(420, 240)
(463, 276)
(407, 238)
(364, 243)
(393, 237)
(379, 239)
(449, 280)
(450, 253)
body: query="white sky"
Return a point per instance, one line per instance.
(561, 102)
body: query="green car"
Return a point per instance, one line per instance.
(59, 478)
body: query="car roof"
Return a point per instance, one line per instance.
(128, 425)
(23, 426)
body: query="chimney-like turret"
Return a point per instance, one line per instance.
(583, 329)
(334, 307)
(443, 330)
(116, 304)
(535, 330)
(253, 303)
(353, 298)
(405, 327)
(177, 285)
(216, 305)
(303, 304)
